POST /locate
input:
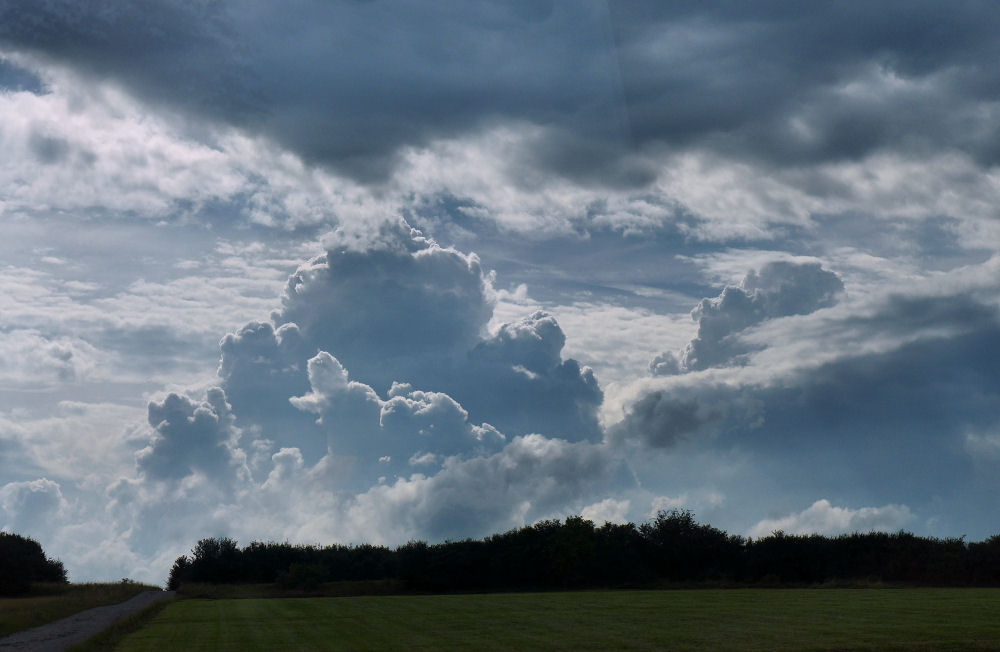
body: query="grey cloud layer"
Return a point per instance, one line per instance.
(795, 83)
(350, 84)
(384, 82)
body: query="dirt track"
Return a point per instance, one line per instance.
(77, 628)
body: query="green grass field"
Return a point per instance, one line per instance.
(49, 602)
(728, 619)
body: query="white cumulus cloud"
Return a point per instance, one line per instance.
(824, 518)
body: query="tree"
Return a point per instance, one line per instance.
(180, 572)
(23, 562)
(217, 560)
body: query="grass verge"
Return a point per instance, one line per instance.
(50, 602)
(731, 619)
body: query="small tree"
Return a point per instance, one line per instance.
(180, 572)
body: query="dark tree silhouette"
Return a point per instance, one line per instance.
(672, 548)
(22, 563)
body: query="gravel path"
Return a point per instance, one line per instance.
(77, 628)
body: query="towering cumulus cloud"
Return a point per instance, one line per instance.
(393, 307)
(404, 318)
(377, 389)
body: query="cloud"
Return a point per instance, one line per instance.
(855, 69)
(608, 510)
(333, 391)
(413, 88)
(608, 161)
(420, 306)
(530, 478)
(984, 447)
(90, 147)
(109, 144)
(439, 422)
(824, 83)
(779, 289)
(102, 327)
(667, 503)
(531, 388)
(296, 438)
(261, 368)
(30, 359)
(661, 419)
(72, 442)
(618, 341)
(409, 428)
(395, 307)
(311, 448)
(191, 437)
(823, 518)
(85, 149)
(922, 361)
(30, 507)
(686, 500)
(879, 401)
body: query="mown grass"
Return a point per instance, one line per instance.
(730, 619)
(49, 602)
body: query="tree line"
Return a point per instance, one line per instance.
(23, 563)
(574, 554)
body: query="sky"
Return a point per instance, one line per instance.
(374, 271)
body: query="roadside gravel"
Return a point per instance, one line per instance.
(75, 629)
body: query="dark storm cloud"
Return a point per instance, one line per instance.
(343, 83)
(181, 53)
(799, 82)
(348, 84)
